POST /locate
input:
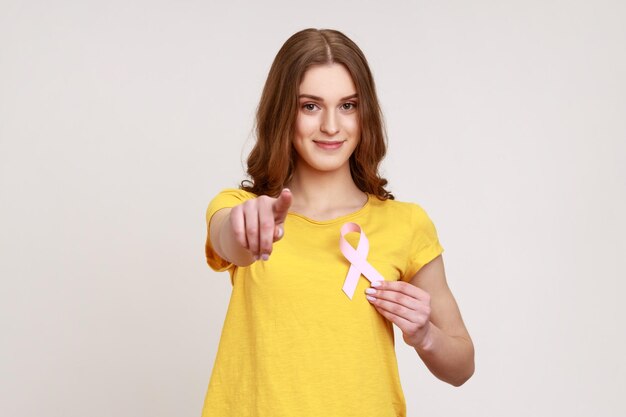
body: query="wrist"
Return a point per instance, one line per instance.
(427, 342)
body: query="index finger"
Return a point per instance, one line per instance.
(281, 205)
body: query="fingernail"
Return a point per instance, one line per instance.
(370, 291)
(286, 189)
(280, 232)
(376, 284)
(370, 298)
(265, 256)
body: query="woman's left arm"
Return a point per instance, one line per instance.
(428, 316)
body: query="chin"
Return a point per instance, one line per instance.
(328, 166)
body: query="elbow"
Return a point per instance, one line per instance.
(462, 379)
(466, 370)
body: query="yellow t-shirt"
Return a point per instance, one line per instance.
(293, 344)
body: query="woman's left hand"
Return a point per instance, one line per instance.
(405, 305)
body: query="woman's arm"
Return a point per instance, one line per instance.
(427, 313)
(245, 233)
(223, 240)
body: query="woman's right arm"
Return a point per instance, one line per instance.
(245, 233)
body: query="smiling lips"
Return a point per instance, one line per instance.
(331, 144)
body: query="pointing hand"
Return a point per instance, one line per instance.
(259, 222)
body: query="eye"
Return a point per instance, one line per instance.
(309, 107)
(348, 106)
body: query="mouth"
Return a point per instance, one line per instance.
(329, 144)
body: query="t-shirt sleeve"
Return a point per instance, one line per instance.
(425, 244)
(225, 199)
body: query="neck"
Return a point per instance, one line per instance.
(319, 191)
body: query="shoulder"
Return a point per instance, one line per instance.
(235, 194)
(228, 197)
(400, 210)
(405, 217)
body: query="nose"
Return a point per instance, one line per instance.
(329, 123)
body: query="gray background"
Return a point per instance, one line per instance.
(120, 120)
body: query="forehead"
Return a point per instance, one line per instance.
(327, 81)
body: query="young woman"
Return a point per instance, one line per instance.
(299, 339)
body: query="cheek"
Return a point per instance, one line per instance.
(352, 124)
(305, 125)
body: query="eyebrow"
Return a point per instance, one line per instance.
(355, 95)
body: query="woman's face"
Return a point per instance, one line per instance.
(327, 126)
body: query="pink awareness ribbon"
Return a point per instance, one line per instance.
(357, 258)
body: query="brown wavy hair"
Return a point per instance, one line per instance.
(271, 161)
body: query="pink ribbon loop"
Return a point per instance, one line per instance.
(357, 258)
